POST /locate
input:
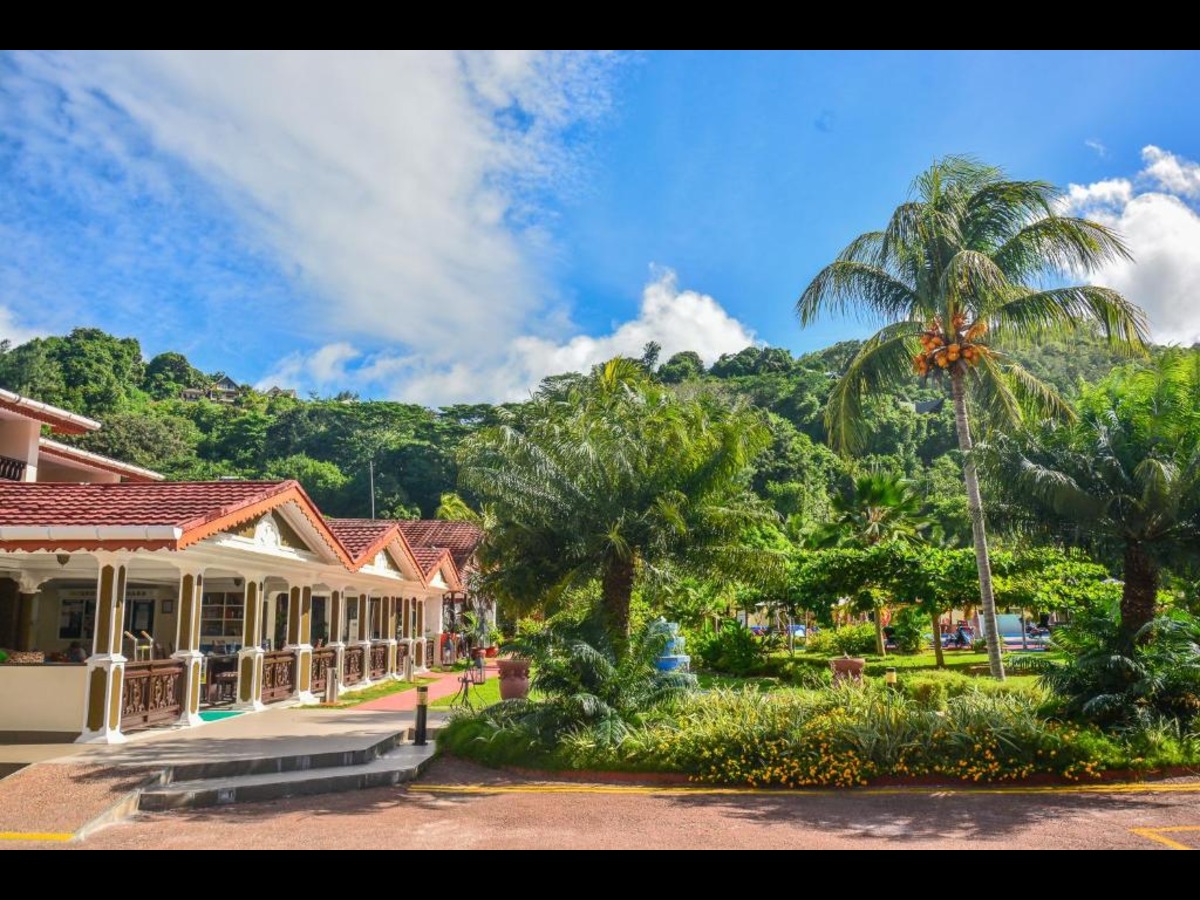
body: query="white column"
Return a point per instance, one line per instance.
(364, 633)
(299, 629)
(337, 627)
(104, 692)
(250, 656)
(187, 641)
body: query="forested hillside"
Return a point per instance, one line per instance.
(328, 443)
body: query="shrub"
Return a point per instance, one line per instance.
(908, 629)
(1103, 681)
(734, 650)
(854, 640)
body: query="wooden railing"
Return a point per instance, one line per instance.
(153, 693)
(324, 661)
(11, 469)
(401, 656)
(279, 675)
(430, 660)
(352, 664)
(379, 655)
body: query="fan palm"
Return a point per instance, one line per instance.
(880, 508)
(963, 270)
(611, 479)
(1126, 476)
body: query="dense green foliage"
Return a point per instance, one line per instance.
(146, 422)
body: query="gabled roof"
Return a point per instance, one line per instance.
(364, 538)
(162, 515)
(59, 420)
(431, 559)
(55, 450)
(462, 539)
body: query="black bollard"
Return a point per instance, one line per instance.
(422, 714)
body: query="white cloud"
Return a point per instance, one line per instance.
(1162, 230)
(399, 189)
(1172, 173)
(676, 319)
(1096, 146)
(12, 331)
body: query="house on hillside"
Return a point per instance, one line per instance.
(129, 602)
(223, 390)
(276, 391)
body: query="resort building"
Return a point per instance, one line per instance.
(127, 601)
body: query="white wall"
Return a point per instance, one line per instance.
(42, 698)
(19, 440)
(54, 471)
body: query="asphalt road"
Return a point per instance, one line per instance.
(460, 806)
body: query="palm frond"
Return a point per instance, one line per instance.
(1066, 310)
(849, 285)
(882, 360)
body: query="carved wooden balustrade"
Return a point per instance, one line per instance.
(324, 661)
(153, 693)
(279, 675)
(352, 662)
(379, 660)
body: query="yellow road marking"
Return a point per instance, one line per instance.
(1160, 835)
(36, 835)
(1123, 788)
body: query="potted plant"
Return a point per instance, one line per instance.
(493, 641)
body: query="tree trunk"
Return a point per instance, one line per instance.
(937, 640)
(987, 599)
(1139, 599)
(616, 589)
(880, 647)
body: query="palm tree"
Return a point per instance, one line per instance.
(611, 479)
(961, 272)
(880, 509)
(1125, 477)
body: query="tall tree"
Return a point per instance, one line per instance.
(616, 479)
(880, 509)
(959, 274)
(1125, 477)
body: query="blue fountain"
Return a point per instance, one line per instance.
(673, 659)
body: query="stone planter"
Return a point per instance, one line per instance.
(514, 678)
(847, 668)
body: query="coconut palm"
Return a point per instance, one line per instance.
(613, 479)
(1125, 477)
(963, 270)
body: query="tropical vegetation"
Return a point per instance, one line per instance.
(959, 275)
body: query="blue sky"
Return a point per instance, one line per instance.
(448, 227)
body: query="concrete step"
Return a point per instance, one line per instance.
(397, 765)
(303, 756)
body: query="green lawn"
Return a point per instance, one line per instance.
(374, 692)
(482, 695)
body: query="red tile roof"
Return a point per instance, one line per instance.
(462, 539)
(430, 559)
(363, 538)
(168, 515)
(360, 535)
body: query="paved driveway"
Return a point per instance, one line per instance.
(460, 806)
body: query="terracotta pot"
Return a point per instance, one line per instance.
(514, 678)
(847, 668)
